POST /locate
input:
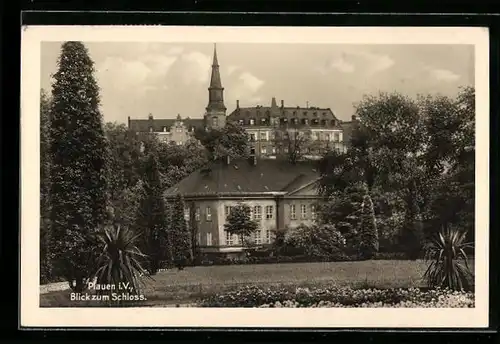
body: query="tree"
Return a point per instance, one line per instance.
(178, 161)
(78, 171)
(232, 141)
(151, 221)
(239, 222)
(46, 259)
(368, 234)
(181, 236)
(294, 143)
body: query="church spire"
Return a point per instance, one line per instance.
(215, 79)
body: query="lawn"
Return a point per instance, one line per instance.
(183, 287)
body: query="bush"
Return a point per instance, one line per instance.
(255, 296)
(368, 235)
(314, 241)
(448, 261)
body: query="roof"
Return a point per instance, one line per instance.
(324, 116)
(241, 177)
(143, 125)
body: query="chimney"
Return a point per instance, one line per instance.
(128, 121)
(237, 103)
(273, 103)
(282, 103)
(228, 160)
(150, 117)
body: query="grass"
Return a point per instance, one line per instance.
(182, 287)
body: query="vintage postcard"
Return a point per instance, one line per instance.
(254, 177)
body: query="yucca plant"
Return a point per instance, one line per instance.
(448, 266)
(119, 261)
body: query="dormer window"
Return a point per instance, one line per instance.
(252, 121)
(332, 122)
(263, 121)
(150, 129)
(305, 113)
(240, 122)
(164, 129)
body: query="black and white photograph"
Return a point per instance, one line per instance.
(219, 171)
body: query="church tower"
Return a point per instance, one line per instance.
(215, 116)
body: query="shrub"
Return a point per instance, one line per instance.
(314, 241)
(448, 261)
(279, 296)
(118, 261)
(368, 235)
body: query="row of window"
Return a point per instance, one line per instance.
(257, 238)
(256, 212)
(285, 121)
(303, 212)
(307, 150)
(232, 239)
(316, 136)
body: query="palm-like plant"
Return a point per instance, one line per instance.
(449, 267)
(119, 260)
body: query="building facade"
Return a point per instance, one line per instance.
(279, 195)
(176, 130)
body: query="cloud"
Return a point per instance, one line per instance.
(349, 62)
(195, 67)
(342, 65)
(377, 62)
(232, 69)
(443, 75)
(251, 81)
(175, 50)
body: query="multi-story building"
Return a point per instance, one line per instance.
(277, 130)
(176, 130)
(279, 194)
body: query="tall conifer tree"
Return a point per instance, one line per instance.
(78, 151)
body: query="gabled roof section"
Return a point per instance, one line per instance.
(267, 177)
(143, 125)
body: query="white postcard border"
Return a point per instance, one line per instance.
(34, 316)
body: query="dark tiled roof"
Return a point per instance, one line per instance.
(322, 117)
(242, 177)
(143, 125)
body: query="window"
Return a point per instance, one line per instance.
(208, 214)
(227, 211)
(257, 235)
(150, 129)
(186, 214)
(229, 239)
(197, 214)
(164, 129)
(315, 136)
(252, 121)
(252, 137)
(263, 150)
(199, 238)
(303, 211)
(263, 121)
(263, 136)
(313, 211)
(285, 149)
(269, 212)
(273, 149)
(257, 212)
(336, 137)
(209, 239)
(268, 236)
(293, 215)
(240, 122)
(215, 121)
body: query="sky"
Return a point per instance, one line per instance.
(167, 79)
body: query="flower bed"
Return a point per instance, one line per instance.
(340, 297)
